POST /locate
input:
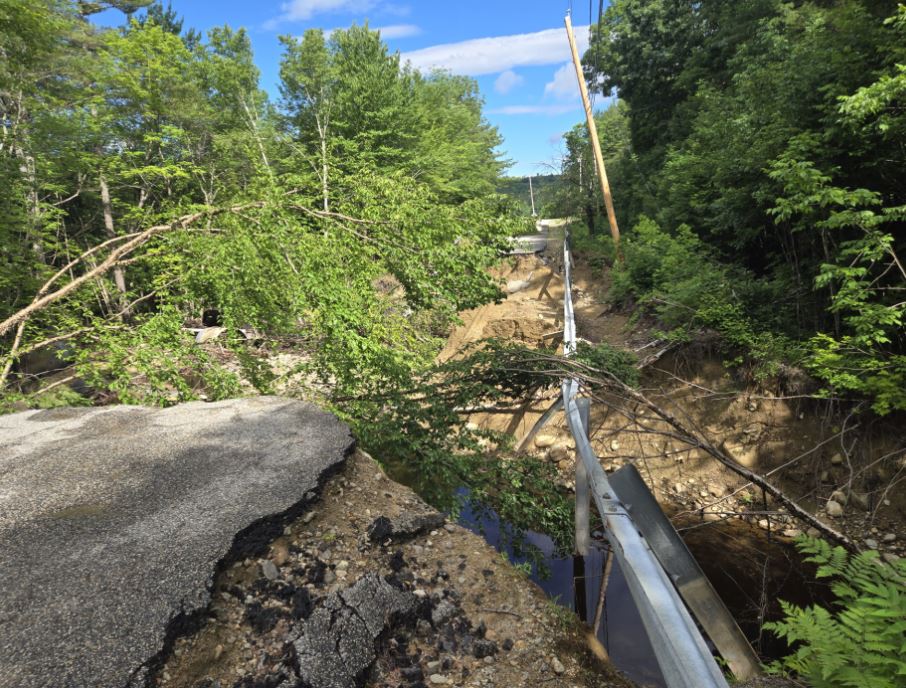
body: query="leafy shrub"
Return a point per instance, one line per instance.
(154, 363)
(846, 367)
(618, 362)
(676, 278)
(416, 426)
(597, 249)
(863, 642)
(670, 274)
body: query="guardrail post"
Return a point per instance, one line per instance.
(583, 490)
(583, 506)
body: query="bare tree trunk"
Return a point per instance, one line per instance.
(13, 352)
(830, 285)
(119, 276)
(322, 134)
(27, 169)
(324, 172)
(253, 127)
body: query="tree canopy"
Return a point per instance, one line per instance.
(757, 148)
(146, 177)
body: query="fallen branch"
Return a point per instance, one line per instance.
(597, 381)
(44, 299)
(698, 440)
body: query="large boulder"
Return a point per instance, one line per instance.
(113, 522)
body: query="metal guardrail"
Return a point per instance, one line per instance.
(684, 658)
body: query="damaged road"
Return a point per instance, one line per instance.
(114, 522)
(245, 544)
(336, 645)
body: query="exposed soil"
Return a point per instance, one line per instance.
(497, 628)
(743, 541)
(475, 620)
(809, 448)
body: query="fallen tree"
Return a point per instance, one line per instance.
(494, 373)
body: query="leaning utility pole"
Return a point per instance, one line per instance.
(596, 145)
(532, 196)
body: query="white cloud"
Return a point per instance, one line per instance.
(499, 53)
(301, 10)
(398, 30)
(507, 81)
(564, 85)
(396, 9)
(533, 110)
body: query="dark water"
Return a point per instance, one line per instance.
(621, 631)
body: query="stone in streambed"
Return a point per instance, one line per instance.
(545, 441)
(834, 509)
(558, 452)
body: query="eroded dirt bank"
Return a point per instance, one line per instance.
(494, 627)
(844, 468)
(374, 588)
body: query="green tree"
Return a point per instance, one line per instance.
(160, 182)
(772, 131)
(308, 83)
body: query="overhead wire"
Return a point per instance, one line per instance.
(597, 47)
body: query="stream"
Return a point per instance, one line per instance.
(621, 630)
(749, 572)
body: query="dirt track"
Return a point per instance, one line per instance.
(532, 314)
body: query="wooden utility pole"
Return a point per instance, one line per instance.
(595, 143)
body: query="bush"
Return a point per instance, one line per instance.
(618, 362)
(863, 642)
(670, 274)
(676, 278)
(597, 249)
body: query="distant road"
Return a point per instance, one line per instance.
(530, 243)
(535, 243)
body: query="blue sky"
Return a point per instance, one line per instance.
(516, 49)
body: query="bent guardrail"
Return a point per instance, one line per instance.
(680, 649)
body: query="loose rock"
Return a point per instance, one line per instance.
(269, 569)
(834, 509)
(545, 441)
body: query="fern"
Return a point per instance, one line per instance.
(862, 643)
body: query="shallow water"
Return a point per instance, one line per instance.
(749, 573)
(621, 630)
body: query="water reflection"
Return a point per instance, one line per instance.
(621, 630)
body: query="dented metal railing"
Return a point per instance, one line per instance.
(684, 658)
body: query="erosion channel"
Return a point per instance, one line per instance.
(742, 541)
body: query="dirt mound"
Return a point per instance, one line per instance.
(523, 330)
